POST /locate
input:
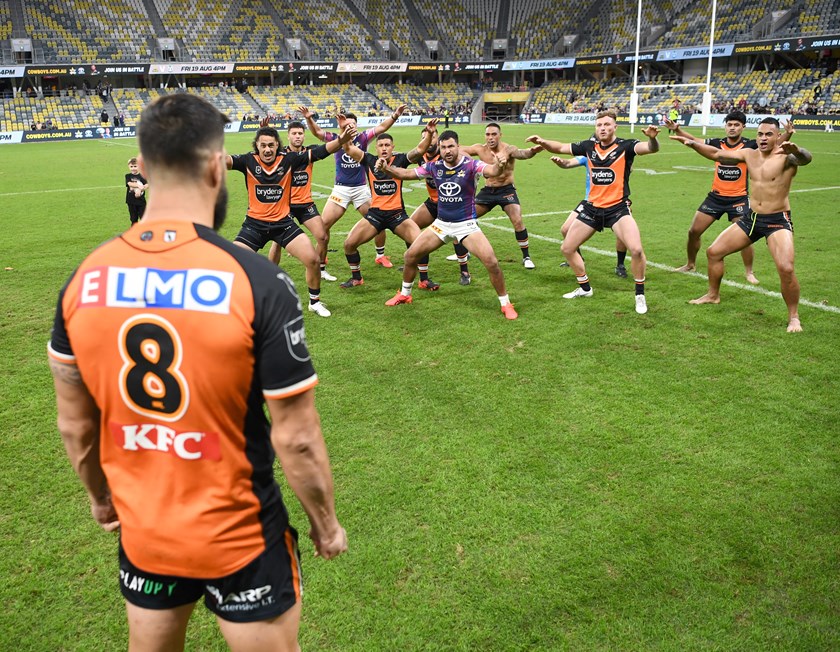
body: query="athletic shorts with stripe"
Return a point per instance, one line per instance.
(258, 233)
(762, 226)
(716, 205)
(265, 588)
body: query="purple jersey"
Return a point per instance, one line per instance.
(347, 171)
(455, 186)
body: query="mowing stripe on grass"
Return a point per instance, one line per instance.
(741, 286)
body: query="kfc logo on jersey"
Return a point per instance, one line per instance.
(604, 177)
(202, 290)
(269, 193)
(726, 173)
(163, 439)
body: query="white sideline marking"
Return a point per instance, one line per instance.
(39, 192)
(667, 268)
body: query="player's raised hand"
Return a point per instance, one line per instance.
(431, 125)
(685, 140)
(537, 140)
(305, 112)
(787, 148)
(561, 162)
(789, 128)
(652, 131)
(348, 132)
(671, 124)
(266, 120)
(400, 110)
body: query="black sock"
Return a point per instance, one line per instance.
(461, 252)
(620, 256)
(355, 262)
(522, 239)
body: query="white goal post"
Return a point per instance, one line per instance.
(706, 106)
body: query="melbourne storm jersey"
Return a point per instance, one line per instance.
(609, 170)
(270, 186)
(347, 171)
(179, 336)
(386, 193)
(730, 180)
(455, 186)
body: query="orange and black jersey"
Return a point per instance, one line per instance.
(431, 186)
(302, 180)
(609, 170)
(731, 180)
(386, 193)
(180, 335)
(270, 187)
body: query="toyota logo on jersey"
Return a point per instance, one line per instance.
(449, 189)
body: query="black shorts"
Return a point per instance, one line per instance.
(763, 226)
(497, 196)
(716, 205)
(265, 588)
(603, 218)
(258, 233)
(382, 220)
(303, 212)
(431, 206)
(135, 212)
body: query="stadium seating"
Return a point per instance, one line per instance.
(468, 25)
(251, 35)
(5, 20)
(331, 30)
(537, 25)
(65, 112)
(76, 30)
(390, 20)
(424, 99)
(324, 100)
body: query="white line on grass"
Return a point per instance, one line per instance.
(39, 192)
(667, 268)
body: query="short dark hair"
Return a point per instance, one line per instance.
(770, 121)
(351, 116)
(267, 131)
(174, 129)
(493, 124)
(384, 137)
(446, 135)
(736, 116)
(295, 124)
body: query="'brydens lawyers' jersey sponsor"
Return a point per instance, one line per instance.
(730, 180)
(386, 193)
(455, 187)
(431, 188)
(270, 187)
(609, 170)
(180, 336)
(347, 171)
(302, 181)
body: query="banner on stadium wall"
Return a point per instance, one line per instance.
(372, 66)
(12, 71)
(532, 118)
(539, 64)
(718, 120)
(367, 122)
(569, 118)
(788, 45)
(680, 54)
(191, 68)
(10, 137)
(284, 66)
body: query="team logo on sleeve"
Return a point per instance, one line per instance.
(296, 339)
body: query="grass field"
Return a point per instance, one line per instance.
(583, 478)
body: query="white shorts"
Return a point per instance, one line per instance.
(456, 231)
(343, 195)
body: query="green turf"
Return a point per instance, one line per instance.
(584, 478)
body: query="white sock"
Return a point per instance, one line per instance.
(406, 289)
(504, 300)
